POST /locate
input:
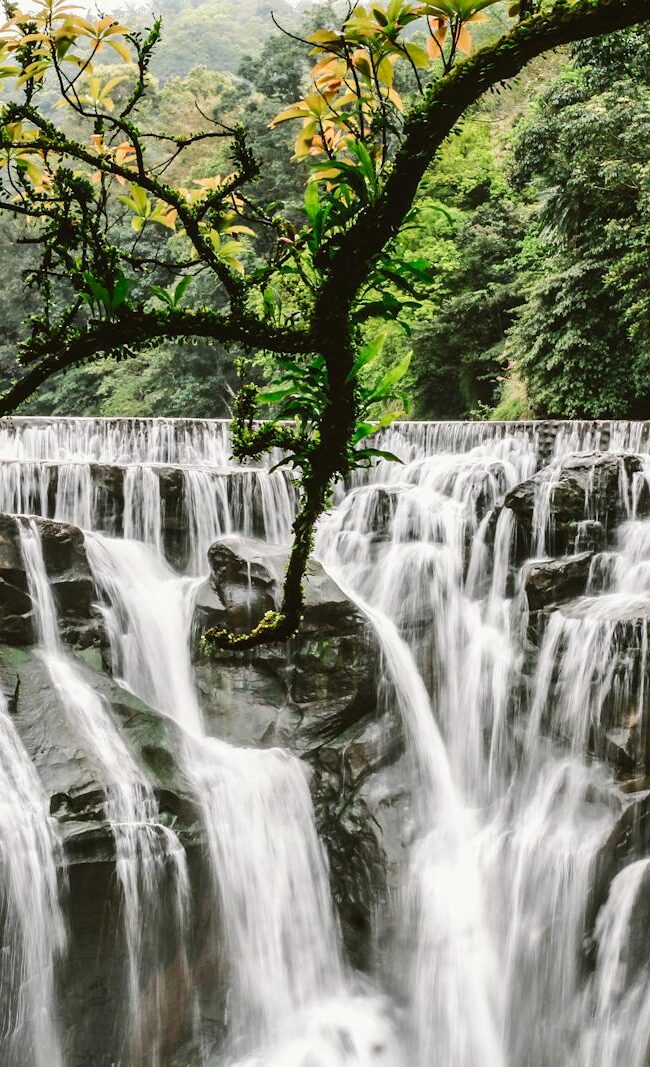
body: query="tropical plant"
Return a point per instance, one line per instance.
(365, 149)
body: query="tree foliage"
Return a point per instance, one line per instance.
(113, 208)
(543, 308)
(582, 340)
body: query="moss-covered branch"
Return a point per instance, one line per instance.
(141, 327)
(348, 259)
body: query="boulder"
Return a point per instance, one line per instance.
(317, 695)
(247, 575)
(578, 487)
(70, 577)
(554, 581)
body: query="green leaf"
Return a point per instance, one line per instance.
(162, 294)
(378, 453)
(394, 375)
(368, 354)
(272, 302)
(274, 396)
(100, 294)
(367, 163)
(181, 289)
(363, 429)
(120, 291)
(394, 10)
(417, 55)
(312, 204)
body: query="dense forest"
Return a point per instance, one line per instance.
(533, 224)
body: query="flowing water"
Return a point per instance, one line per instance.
(502, 946)
(33, 927)
(269, 869)
(143, 847)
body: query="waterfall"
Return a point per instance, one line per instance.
(451, 958)
(494, 820)
(454, 963)
(269, 868)
(513, 930)
(619, 989)
(142, 506)
(34, 932)
(144, 848)
(148, 611)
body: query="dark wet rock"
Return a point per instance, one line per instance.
(108, 492)
(628, 840)
(306, 690)
(619, 731)
(622, 737)
(15, 602)
(588, 535)
(618, 746)
(554, 581)
(69, 771)
(583, 486)
(247, 575)
(93, 1011)
(92, 981)
(317, 695)
(71, 582)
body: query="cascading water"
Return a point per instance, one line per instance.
(454, 989)
(520, 825)
(508, 945)
(619, 995)
(269, 869)
(144, 848)
(33, 925)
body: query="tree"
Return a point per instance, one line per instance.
(365, 154)
(458, 353)
(582, 340)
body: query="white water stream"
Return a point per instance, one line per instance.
(143, 847)
(270, 873)
(492, 964)
(33, 927)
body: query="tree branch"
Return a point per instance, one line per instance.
(138, 326)
(53, 140)
(348, 260)
(350, 257)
